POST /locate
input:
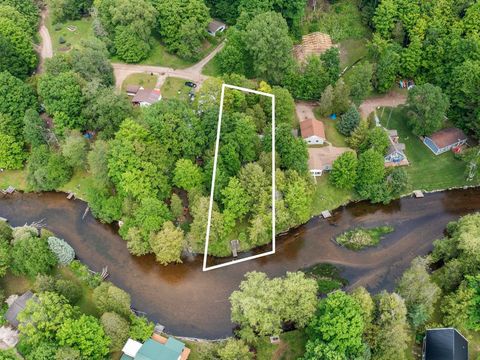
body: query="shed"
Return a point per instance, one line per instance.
(313, 131)
(445, 140)
(444, 344)
(17, 306)
(215, 26)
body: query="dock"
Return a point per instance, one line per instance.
(418, 194)
(234, 245)
(70, 195)
(326, 214)
(3, 219)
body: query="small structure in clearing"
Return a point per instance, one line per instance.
(313, 131)
(145, 97)
(215, 26)
(444, 140)
(315, 43)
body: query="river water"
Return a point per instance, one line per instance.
(190, 302)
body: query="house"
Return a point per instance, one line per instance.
(215, 26)
(396, 151)
(315, 43)
(444, 344)
(132, 90)
(16, 307)
(444, 140)
(157, 347)
(145, 97)
(313, 131)
(321, 159)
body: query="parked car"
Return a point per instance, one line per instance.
(191, 84)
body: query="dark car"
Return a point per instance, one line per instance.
(191, 84)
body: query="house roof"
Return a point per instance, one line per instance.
(152, 350)
(447, 137)
(214, 25)
(445, 344)
(311, 127)
(315, 43)
(131, 348)
(133, 89)
(147, 96)
(320, 158)
(17, 306)
(392, 132)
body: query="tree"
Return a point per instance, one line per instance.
(4, 255)
(62, 250)
(326, 101)
(44, 351)
(116, 328)
(284, 106)
(268, 43)
(90, 61)
(46, 170)
(385, 16)
(370, 172)
(15, 98)
(86, 335)
(74, 150)
(34, 129)
(67, 353)
(27, 8)
(367, 306)
(187, 175)
(349, 121)
(43, 317)
(11, 153)
(291, 150)
(97, 159)
(359, 80)
(140, 328)
(392, 338)
(262, 305)
(376, 139)
(167, 244)
(109, 298)
(234, 350)
(426, 106)
(32, 256)
(181, 21)
(418, 290)
(71, 290)
(338, 323)
(341, 97)
(235, 199)
(358, 136)
(20, 43)
(297, 198)
(63, 94)
(344, 171)
(387, 64)
(130, 47)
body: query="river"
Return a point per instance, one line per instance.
(193, 303)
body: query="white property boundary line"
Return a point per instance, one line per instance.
(210, 208)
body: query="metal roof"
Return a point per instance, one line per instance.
(445, 344)
(17, 306)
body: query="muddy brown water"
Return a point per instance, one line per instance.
(190, 302)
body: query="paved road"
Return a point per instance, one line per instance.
(46, 48)
(193, 73)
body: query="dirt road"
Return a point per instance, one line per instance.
(46, 48)
(393, 99)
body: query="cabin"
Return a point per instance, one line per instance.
(445, 140)
(157, 347)
(16, 308)
(215, 27)
(313, 132)
(320, 159)
(145, 97)
(444, 344)
(396, 152)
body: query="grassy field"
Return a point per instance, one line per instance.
(15, 178)
(83, 31)
(212, 68)
(77, 184)
(426, 170)
(328, 197)
(352, 50)
(143, 79)
(341, 21)
(175, 88)
(331, 132)
(292, 347)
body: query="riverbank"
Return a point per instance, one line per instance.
(194, 303)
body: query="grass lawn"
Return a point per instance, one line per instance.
(331, 132)
(84, 30)
(77, 184)
(328, 197)
(15, 178)
(212, 68)
(143, 79)
(343, 20)
(292, 347)
(426, 170)
(12, 284)
(175, 88)
(352, 50)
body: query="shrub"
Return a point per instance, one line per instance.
(140, 328)
(116, 328)
(57, 27)
(69, 289)
(31, 257)
(5, 230)
(61, 40)
(67, 353)
(108, 297)
(81, 272)
(359, 238)
(44, 283)
(62, 250)
(24, 232)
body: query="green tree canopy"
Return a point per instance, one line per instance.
(344, 171)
